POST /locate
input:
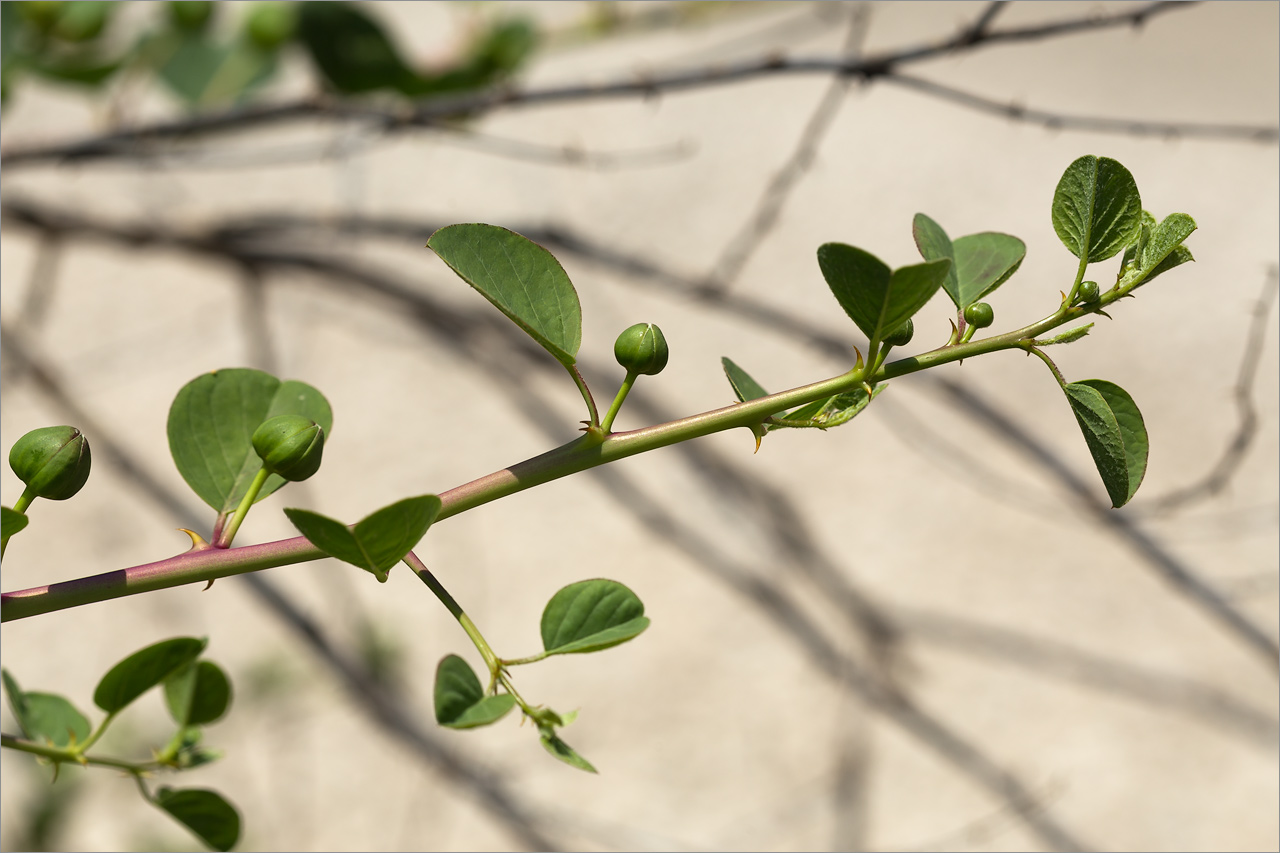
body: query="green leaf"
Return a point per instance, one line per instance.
(552, 743)
(1115, 433)
(1067, 337)
(144, 669)
(211, 424)
(377, 542)
(45, 716)
(11, 521)
(1167, 237)
(984, 262)
(831, 412)
(1179, 256)
(203, 72)
(197, 694)
(522, 280)
(460, 701)
(1096, 208)
(588, 616)
(1146, 228)
(875, 298)
(213, 820)
(352, 50)
(744, 387)
(934, 244)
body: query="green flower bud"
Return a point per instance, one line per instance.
(54, 461)
(271, 24)
(902, 335)
(641, 349)
(290, 445)
(979, 315)
(1088, 292)
(191, 15)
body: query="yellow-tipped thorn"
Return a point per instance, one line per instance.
(867, 387)
(857, 352)
(197, 541)
(955, 334)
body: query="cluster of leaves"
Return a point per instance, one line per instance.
(196, 692)
(73, 42)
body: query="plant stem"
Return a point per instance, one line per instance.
(607, 423)
(586, 395)
(1057, 374)
(229, 532)
(451, 604)
(24, 501)
(57, 753)
(578, 455)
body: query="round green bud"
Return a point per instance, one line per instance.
(1088, 292)
(902, 335)
(979, 315)
(54, 461)
(641, 349)
(289, 445)
(82, 22)
(191, 15)
(271, 24)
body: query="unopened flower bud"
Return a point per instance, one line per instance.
(979, 315)
(1087, 293)
(641, 349)
(54, 461)
(902, 335)
(289, 445)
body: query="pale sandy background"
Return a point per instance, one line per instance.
(1029, 630)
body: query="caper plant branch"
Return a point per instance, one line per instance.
(76, 755)
(588, 451)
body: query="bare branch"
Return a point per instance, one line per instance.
(140, 140)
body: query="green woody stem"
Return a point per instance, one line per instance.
(579, 455)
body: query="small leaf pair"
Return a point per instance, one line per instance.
(1115, 433)
(377, 542)
(979, 262)
(820, 414)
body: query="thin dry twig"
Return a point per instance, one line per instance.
(141, 140)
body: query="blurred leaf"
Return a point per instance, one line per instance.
(11, 521)
(197, 694)
(561, 750)
(143, 670)
(459, 699)
(1115, 433)
(191, 15)
(377, 542)
(1097, 210)
(522, 280)
(351, 49)
(210, 817)
(591, 615)
(204, 72)
(211, 424)
(83, 20)
(45, 716)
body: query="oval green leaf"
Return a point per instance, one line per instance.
(210, 817)
(211, 424)
(591, 615)
(1096, 208)
(11, 521)
(984, 262)
(459, 699)
(197, 694)
(377, 542)
(46, 717)
(831, 412)
(144, 669)
(522, 280)
(934, 244)
(875, 298)
(1115, 433)
(351, 49)
(1165, 240)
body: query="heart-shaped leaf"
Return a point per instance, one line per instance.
(378, 541)
(197, 694)
(45, 716)
(984, 262)
(1096, 208)
(210, 817)
(522, 279)
(1116, 435)
(144, 669)
(588, 616)
(460, 701)
(876, 299)
(11, 521)
(211, 424)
